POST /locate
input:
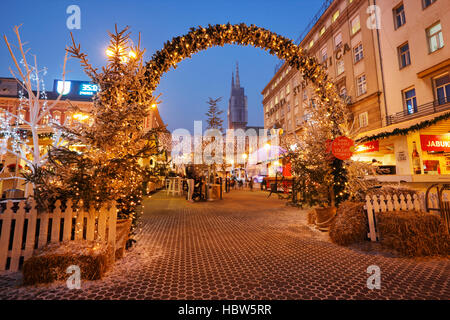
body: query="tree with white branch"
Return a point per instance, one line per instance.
(16, 127)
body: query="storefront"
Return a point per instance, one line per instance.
(379, 153)
(420, 157)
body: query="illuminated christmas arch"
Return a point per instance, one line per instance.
(201, 38)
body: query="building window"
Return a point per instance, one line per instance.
(356, 25)
(363, 119)
(324, 55)
(358, 51)
(288, 89)
(343, 92)
(435, 37)
(57, 117)
(335, 16)
(340, 66)
(22, 116)
(361, 84)
(338, 41)
(305, 95)
(404, 56)
(399, 16)
(45, 119)
(442, 85)
(427, 3)
(311, 43)
(410, 101)
(322, 31)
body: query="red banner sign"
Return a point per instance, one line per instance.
(343, 148)
(435, 142)
(371, 146)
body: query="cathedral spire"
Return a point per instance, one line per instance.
(232, 80)
(238, 82)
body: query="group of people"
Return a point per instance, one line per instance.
(240, 183)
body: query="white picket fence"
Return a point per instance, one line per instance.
(23, 229)
(382, 203)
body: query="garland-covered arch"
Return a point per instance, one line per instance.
(218, 35)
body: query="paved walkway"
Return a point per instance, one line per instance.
(244, 247)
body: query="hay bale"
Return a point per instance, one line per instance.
(413, 233)
(51, 262)
(350, 225)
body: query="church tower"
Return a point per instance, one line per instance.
(237, 105)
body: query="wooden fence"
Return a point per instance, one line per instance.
(23, 229)
(384, 203)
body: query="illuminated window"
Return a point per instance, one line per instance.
(361, 85)
(335, 16)
(363, 119)
(358, 52)
(410, 100)
(435, 37)
(399, 16)
(22, 116)
(45, 119)
(322, 31)
(57, 117)
(356, 25)
(311, 43)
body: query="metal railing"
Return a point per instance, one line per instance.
(423, 110)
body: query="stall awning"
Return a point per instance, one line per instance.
(403, 127)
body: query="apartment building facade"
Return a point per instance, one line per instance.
(346, 48)
(380, 72)
(415, 53)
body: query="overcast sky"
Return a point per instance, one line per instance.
(184, 90)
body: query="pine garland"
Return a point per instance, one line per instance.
(405, 131)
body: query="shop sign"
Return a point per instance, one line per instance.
(401, 156)
(435, 143)
(343, 148)
(372, 146)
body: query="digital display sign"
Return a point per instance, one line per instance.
(75, 88)
(88, 89)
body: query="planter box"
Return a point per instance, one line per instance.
(123, 228)
(324, 217)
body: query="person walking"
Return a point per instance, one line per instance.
(190, 178)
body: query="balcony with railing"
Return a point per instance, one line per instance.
(439, 105)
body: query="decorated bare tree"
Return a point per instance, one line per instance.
(22, 126)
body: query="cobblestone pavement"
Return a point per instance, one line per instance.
(244, 247)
